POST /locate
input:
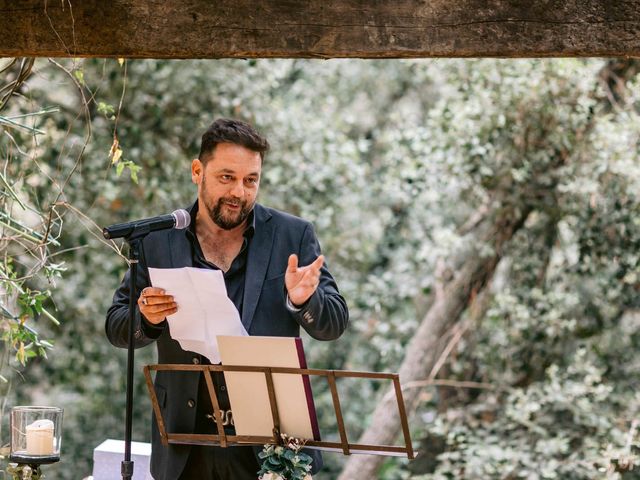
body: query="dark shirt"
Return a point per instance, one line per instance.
(234, 280)
(234, 277)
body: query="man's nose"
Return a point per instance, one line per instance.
(237, 190)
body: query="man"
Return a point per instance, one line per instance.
(274, 274)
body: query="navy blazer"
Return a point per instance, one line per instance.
(264, 312)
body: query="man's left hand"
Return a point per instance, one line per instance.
(302, 282)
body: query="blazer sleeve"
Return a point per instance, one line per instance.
(325, 315)
(117, 323)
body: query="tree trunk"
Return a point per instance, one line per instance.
(450, 302)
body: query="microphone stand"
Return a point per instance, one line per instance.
(134, 241)
(133, 233)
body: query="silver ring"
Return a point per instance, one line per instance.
(144, 301)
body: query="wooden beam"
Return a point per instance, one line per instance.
(319, 28)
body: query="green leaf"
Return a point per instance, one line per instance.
(106, 109)
(79, 74)
(134, 171)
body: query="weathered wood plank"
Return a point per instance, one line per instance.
(319, 28)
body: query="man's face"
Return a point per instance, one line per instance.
(228, 184)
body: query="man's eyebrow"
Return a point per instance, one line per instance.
(228, 170)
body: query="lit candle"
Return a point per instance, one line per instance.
(40, 438)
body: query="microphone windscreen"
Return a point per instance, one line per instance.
(183, 219)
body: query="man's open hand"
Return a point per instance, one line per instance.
(302, 282)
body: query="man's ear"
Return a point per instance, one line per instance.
(197, 170)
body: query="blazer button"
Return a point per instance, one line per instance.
(196, 361)
(223, 388)
(191, 403)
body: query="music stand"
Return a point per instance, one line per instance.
(223, 440)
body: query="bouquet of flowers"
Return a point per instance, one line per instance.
(285, 461)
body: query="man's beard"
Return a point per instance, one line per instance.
(226, 222)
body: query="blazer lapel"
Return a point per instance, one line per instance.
(257, 264)
(180, 249)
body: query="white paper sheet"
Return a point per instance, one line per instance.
(204, 309)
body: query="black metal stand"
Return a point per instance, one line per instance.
(134, 251)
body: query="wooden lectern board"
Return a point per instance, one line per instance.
(248, 392)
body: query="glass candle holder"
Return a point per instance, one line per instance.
(36, 433)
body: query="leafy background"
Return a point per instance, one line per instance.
(400, 164)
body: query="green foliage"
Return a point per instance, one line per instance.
(132, 167)
(562, 322)
(556, 428)
(286, 460)
(396, 163)
(28, 236)
(107, 110)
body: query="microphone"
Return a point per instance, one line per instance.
(179, 219)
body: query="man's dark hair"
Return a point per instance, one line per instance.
(227, 130)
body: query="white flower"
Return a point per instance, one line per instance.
(272, 476)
